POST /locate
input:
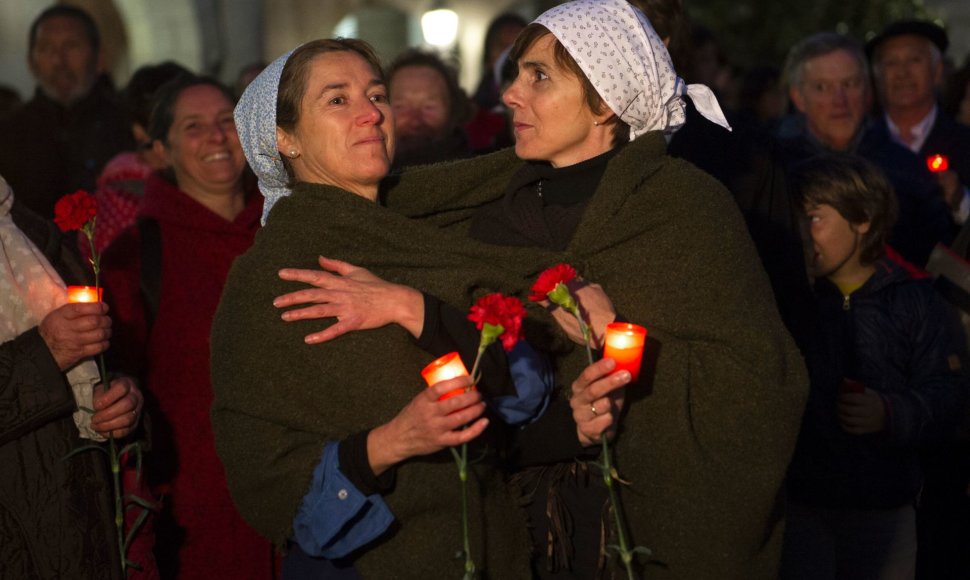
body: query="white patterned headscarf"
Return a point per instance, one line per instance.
(29, 289)
(628, 64)
(255, 116)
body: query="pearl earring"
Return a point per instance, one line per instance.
(596, 123)
(293, 153)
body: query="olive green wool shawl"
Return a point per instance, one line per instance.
(711, 427)
(278, 401)
(708, 432)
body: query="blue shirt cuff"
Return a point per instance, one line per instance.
(335, 518)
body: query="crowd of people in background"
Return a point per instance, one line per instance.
(828, 438)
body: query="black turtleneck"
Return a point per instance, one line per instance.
(542, 206)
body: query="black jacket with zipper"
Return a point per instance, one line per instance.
(892, 335)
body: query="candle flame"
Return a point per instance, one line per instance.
(937, 163)
(84, 294)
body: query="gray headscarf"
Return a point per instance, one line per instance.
(255, 116)
(628, 64)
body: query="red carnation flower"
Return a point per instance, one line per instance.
(496, 310)
(549, 279)
(73, 211)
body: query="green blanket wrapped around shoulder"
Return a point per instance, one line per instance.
(711, 427)
(708, 431)
(278, 401)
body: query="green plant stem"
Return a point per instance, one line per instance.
(626, 555)
(606, 464)
(461, 458)
(587, 337)
(112, 446)
(463, 476)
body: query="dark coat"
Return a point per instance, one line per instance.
(947, 137)
(751, 165)
(893, 336)
(59, 150)
(923, 219)
(56, 517)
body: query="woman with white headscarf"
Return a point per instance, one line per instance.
(707, 433)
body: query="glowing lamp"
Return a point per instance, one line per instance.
(937, 163)
(440, 27)
(84, 294)
(624, 344)
(444, 368)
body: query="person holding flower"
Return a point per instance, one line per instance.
(708, 432)
(338, 452)
(163, 278)
(56, 518)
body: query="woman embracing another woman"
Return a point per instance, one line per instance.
(704, 436)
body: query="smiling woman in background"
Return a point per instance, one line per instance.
(163, 279)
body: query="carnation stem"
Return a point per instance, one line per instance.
(461, 458)
(606, 464)
(105, 384)
(626, 555)
(586, 334)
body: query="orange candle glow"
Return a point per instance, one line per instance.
(444, 368)
(84, 294)
(937, 163)
(624, 344)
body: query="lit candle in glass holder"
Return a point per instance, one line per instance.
(444, 368)
(84, 294)
(624, 344)
(937, 163)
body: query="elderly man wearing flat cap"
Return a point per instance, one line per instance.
(907, 61)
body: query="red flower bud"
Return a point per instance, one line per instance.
(73, 211)
(497, 310)
(549, 279)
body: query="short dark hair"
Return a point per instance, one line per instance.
(67, 11)
(856, 188)
(296, 71)
(138, 96)
(669, 19)
(459, 109)
(495, 27)
(163, 111)
(529, 36)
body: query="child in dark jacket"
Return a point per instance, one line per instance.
(885, 378)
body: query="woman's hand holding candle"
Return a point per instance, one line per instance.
(427, 425)
(597, 398)
(76, 331)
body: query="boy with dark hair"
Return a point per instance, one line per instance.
(885, 378)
